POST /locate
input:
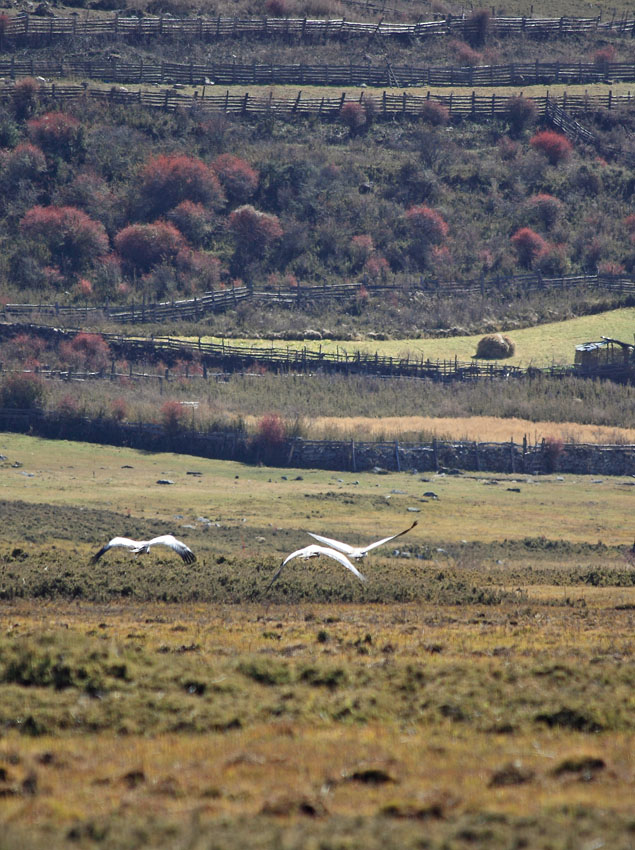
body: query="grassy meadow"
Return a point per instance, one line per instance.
(477, 691)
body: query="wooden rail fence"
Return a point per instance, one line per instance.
(214, 301)
(114, 70)
(25, 29)
(233, 358)
(387, 105)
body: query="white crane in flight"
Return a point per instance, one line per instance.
(358, 551)
(313, 551)
(138, 547)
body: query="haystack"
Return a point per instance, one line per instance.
(495, 347)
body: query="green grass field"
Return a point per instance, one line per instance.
(476, 692)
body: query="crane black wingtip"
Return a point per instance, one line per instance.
(98, 555)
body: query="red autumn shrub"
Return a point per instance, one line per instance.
(57, 133)
(426, 225)
(270, 433)
(119, 409)
(86, 351)
(604, 55)
(552, 447)
(629, 221)
(521, 113)
(22, 392)
(23, 347)
(610, 267)
(168, 179)
(25, 162)
(237, 177)
(377, 269)
(84, 288)
(172, 416)
(143, 246)
(554, 146)
(529, 245)
(72, 237)
(67, 407)
(545, 208)
(465, 54)
(353, 115)
(434, 113)
(360, 248)
(253, 230)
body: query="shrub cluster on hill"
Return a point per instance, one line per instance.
(110, 203)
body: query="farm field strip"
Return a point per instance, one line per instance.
(543, 345)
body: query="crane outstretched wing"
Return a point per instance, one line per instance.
(176, 545)
(359, 551)
(313, 551)
(123, 542)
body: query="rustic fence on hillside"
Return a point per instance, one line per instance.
(344, 455)
(278, 359)
(575, 131)
(387, 105)
(143, 71)
(24, 29)
(218, 300)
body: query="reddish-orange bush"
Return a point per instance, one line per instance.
(119, 409)
(85, 351)
(604, 55)
(72, 237)
(238, 178)
(529, 245)
(377, 269)
(434, 113)
(353, 115)
(172, 415)
(426, 224)
(143, 246)
(168, 179)
(361, 247)
(270, 432)
(253, 230)
(465, 54)
(554, 146)
(57, 133)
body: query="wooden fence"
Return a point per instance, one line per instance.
(516, 458)
(214, 301)
(387, 105)
(115, 70)
(240, 358)
(24, 29)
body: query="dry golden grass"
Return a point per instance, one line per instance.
(480, 428)
(443, 770)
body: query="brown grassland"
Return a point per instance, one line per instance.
(476, 692)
